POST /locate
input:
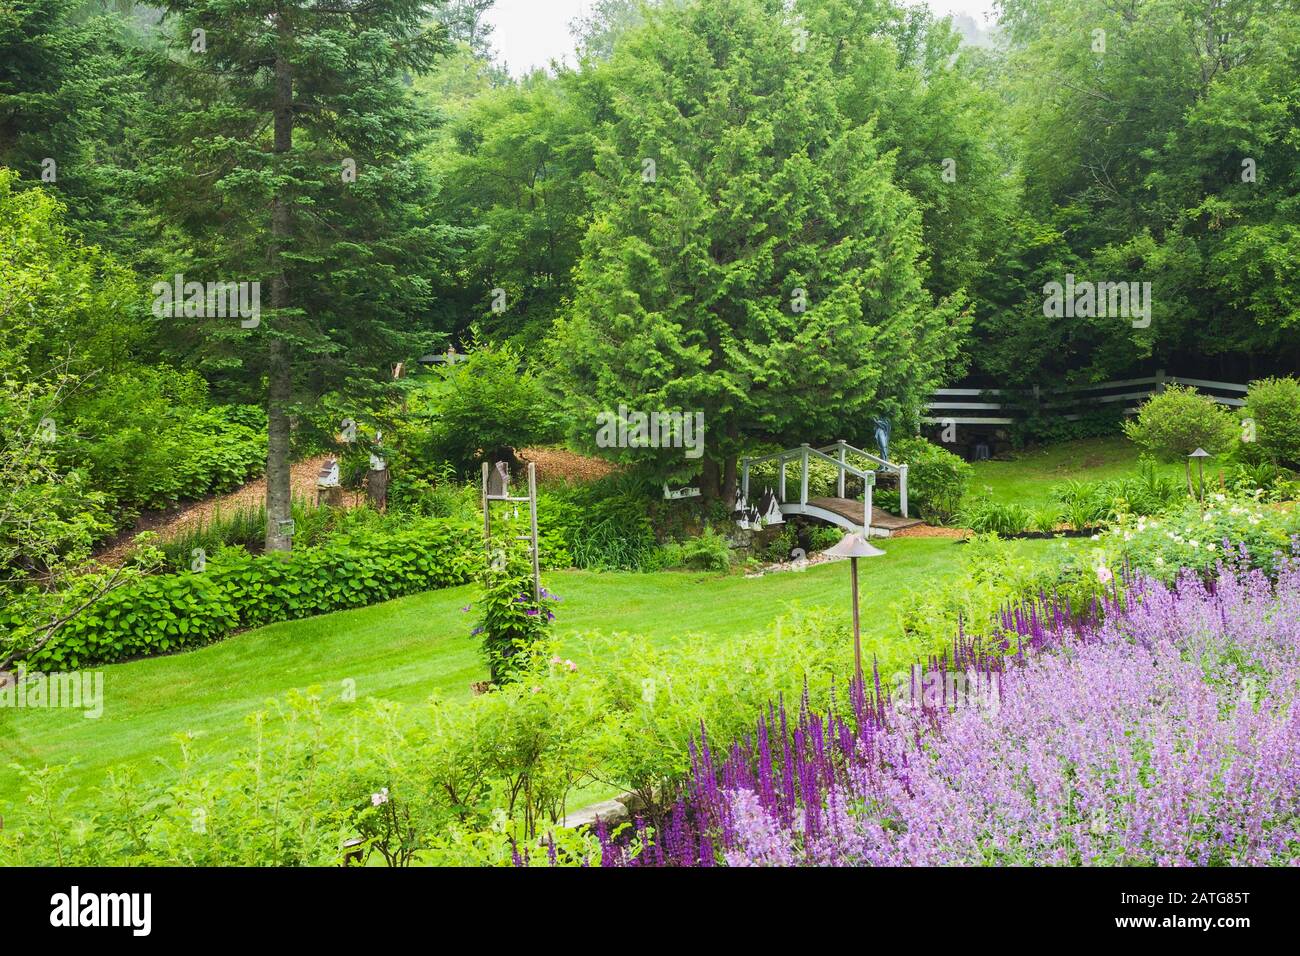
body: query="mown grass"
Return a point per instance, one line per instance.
(407, 649)
(1028, 478)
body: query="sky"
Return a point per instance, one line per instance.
(531, 33)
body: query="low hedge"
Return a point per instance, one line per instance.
(236, 590)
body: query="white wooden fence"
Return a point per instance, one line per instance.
(980, 406)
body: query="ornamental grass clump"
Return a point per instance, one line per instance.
(1160, 727)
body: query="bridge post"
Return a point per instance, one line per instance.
(842, 454)
(866, 505)
(803, 474)
(902, 489)
(781, 482)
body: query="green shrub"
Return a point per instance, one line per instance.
(1194, 537)
(236, 590)
(482, 409)
(1046, 519)
(148, 438)
(1273, 405)
(1265, 481)
(1146, 493)
(1084, 504)
(601, 525)
(1173, 424)
(986, 516)
(708, 551)
(936, 478)
(1046, 426)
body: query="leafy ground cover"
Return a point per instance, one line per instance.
(406, 649)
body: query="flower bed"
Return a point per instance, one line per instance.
(1163, 731)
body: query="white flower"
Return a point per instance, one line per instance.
(1104, 574)
(1160, 562)
(1210, 546)
(380, 798)
(1194, 544)
(1219, 496)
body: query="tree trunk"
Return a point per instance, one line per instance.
(729, 479)
(729, 467)
(710, 485)
(279, 397)
(279, 500)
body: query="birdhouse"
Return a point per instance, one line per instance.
(770, 508)
(329, 474)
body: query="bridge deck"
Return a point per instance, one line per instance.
(851, 512)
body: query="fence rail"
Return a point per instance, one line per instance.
(978, 406)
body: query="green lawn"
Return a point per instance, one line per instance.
(406, 649)
(1028, 479)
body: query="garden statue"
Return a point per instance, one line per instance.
(328, 491)
(882, 428)
(499, 480)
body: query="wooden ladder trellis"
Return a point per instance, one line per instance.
(531, 537)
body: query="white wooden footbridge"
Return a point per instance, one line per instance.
(848, 513)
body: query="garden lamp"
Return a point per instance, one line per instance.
(1200, 455)
(853, 546)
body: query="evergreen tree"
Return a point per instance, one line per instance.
(290, 160)
(750, 256)
(68, 90)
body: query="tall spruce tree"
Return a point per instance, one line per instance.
(750, 255)
(291, 159)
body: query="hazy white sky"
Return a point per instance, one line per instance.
(533, 32)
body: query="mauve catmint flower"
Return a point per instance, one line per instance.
(1161, 727)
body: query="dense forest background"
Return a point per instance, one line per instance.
(789, 214)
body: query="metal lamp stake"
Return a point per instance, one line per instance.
(853, 546)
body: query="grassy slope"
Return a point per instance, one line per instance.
(406, 649)
(1028, 479)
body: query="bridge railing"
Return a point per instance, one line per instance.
(842, 449)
